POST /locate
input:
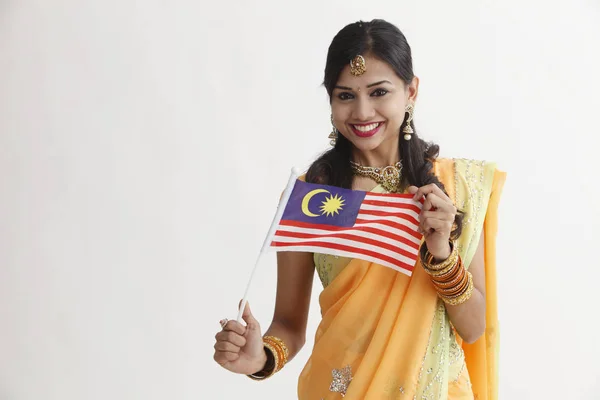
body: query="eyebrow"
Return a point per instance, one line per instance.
(368, 86)
(378, 83)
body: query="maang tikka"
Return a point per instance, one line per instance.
(358, 66)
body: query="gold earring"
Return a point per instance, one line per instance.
(334, 133)
(408, 131)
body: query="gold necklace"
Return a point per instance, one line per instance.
(389, 177)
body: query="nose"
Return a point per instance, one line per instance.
(363, 109)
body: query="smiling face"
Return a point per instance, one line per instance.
(369, 109)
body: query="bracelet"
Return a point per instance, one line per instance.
(269, 368)
(442, 268)
(281, 351)
(451, 283)
(451, 274)
(462, 296)
(277, 356)
(451, 280)
(456, 290)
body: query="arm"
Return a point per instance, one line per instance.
(436, 220)
(239, 348)
(469, 318)
(295, 272)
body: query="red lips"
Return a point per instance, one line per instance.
(366, 134)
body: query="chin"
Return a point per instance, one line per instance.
(370, 143)
(367, 145)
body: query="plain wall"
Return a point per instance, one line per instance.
(144, 145)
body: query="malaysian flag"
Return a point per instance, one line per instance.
(377, 227)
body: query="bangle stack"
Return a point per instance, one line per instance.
(277, 356)
(452, 281)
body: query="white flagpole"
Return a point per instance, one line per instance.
(282, 203)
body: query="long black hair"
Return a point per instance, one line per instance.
(382, 40)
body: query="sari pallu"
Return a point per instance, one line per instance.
(386, 335)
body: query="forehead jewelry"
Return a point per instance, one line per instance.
(357, 66)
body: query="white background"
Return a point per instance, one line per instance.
(144, 145)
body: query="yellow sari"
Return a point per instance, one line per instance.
(385, 335)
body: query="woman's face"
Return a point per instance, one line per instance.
(369, 109)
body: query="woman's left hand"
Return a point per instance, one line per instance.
(436, 219)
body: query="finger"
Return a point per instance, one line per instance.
(431, 188)
(441, 215)
(413, 189)
(421, 191)
(232, 337)
(432, 225)
(427, 206)
(227, 346)
(235, 326)
(441, 204)
(432, 202)
(223, 357)
(435, 203)
(247, 316)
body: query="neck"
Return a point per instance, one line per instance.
(384, 155)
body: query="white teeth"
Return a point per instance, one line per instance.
(366, 128)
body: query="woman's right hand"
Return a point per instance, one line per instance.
(240, 348)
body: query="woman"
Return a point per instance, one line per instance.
(386, 335)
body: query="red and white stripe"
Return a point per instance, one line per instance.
(385, 233)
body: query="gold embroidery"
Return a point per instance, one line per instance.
(436, 374)
(425, 355)
(444, 360)
(324, 268)
(456, 358)
(329, 266)
(456, 200)
(341, 380)
(472, 179)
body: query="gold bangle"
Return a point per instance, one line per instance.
(450, 263)
(450, 275)
(427, 258)
(453, 283)
(269, 368)
(449, 287)
(438, 269)
(463, 297)
(279, 352)
(457, 290)
(280, 348)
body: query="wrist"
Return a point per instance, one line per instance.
(276, 353)
(429, 260)
(451, 280)
(264, 362)
(442, 254)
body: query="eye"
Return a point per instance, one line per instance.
(379, 92)
(345, 96)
